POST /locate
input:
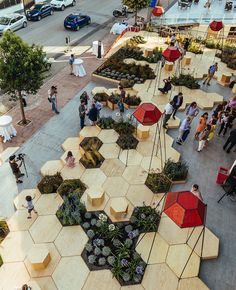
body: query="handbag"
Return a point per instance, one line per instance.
(49, 99)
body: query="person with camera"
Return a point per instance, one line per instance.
(15, 167)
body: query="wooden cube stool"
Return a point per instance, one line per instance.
(119, 207)
(148, 52)
(39, 257)
(95, 196)
(225, 79)
(187, 60)
(143, 131)
(169, 66)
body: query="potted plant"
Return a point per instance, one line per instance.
(113, 101)
(124, 128)
(186, 80)
(132, 102)
(92, 159)
(50, 183)
(71, 185)
(158, 182)
(127, 141)
(176, 171)
(101, 98)
(105, 123)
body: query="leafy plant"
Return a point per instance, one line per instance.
(126, 83)
(186, 80)
(106, 123)
(127, 141)
(101, 97)
(92, 159)
(50, 183)
(158, 182)
(123, 128)
(195, 47)
(132, 100)
(136, 5)
(176, 170)
(71, 185)
(114, 98)
(91, 143)
(4, 230)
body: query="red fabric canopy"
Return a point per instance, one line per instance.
(216, 25)
(158, 11)
(171, 53)
(185, 209)
(147, 114)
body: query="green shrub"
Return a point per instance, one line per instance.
(4, 230)
(101, 97)
(106, 123)
(127, 141)
(132, 100)
(176, 171)
(71, 185)
(158, 182)
(123, 128)
(185, 80)
(50, 183)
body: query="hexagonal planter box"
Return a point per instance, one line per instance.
(50, 183)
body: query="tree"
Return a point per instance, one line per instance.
(22, 68)
(136, 5)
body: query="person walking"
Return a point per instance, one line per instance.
(201, 125)
(29, 205)
(93, 115)
(167, 113)
(54, 101)
(223, 122)
(184, 130)
(231, 141)
(82, 113)
(71, 61)
(167, 86)
(186, 45)
(192, 111)
(203, 138)
(211, 71)
(177, 103)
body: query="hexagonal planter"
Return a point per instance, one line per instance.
(92, 159)
(71, 185)
(90, 143)
(50, 183)
(127, 141)
(158, 182)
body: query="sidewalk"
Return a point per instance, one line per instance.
(13, 9)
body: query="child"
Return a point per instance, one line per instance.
(203, 138)
(70, 160)
(30, 205)
(196, 192)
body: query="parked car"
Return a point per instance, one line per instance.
(62, 4)
(76, 21)
(39, 10)
(12, 22)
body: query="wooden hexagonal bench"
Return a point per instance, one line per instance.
(95, 195)
(39, 257)
(119, 207)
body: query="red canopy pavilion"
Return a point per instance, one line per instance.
(147, 114)
(171, 54)
(158, 11)
(216, 25)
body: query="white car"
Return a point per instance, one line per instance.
(12, 22)
(62, 4)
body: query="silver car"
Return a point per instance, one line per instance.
(12, 22)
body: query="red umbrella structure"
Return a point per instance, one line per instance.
(147, 114)
(171, 53)
(158, 11)
(185, 209)
(216, 25)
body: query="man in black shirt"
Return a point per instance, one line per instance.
(82, 113)
(15, 167)
(231, 141)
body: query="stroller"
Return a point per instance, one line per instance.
(228, 5)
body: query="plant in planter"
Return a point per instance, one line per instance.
(102, 98)
(123, 128)
(92, 159)
(72, 211)
(113, 101)
(132, 101)
(4, 230)
(106, 123)
(195, 47)
(158, 182)
(176, 171)
(71, 185)
(126, 83)
(186, 80)
(91, 143)
(127, 141)
(50, 183)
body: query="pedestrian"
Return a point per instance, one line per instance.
(53, 99)
(98, 106)
(177, 103)
(223, 123)
(232, 102)
(211, 71)
(29, 206)
(173, 39)
(192, 111)
(71, 61)
(220, 109)
(201, 125)
(186, 45)
(15, 167)
(84, 97)
(82, 113)
(231, 141)
(167, 86)
(168, 111)
(184, 130)
(203, 138)
(26, 287)
(196, 192)
(70, 160)
(121, 100)
(211, 134)
(93, 115)
(232, 81)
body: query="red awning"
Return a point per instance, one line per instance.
(147, 114)
(216, 25)
(158, 11)
(171, 53)
(185, 209)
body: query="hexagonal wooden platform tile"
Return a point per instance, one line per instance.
(139, 195)
(91, 207)
(130, 157)
(20, 198)
(113, 167)
(89, 131)
(45, 229)
(72, 173)
(110, 150)
(157, 202)
(145, 148)
(177, 257)
(135, 175)
(55, 258)
(46, 283)
(51, 167)
(76, 153)
(159, 276)
(116, 186)
(125, 217)
(48, 203)
(100, 280)
(94, 177)
(155, 165)
(15, 246)
(19, 220)
(66, 275)
(210, 245)
(13, 276)
(71, 143)
(71, 241)
(108, 136)
(192, 283)
(34, 284)
(171, 232)
(132, 287)
(154, 245)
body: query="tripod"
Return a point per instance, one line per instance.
(23, 162)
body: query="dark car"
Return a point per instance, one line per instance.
(39, 10)
(76, 21)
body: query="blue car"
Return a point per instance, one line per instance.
(76, 21)
(39, 10)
